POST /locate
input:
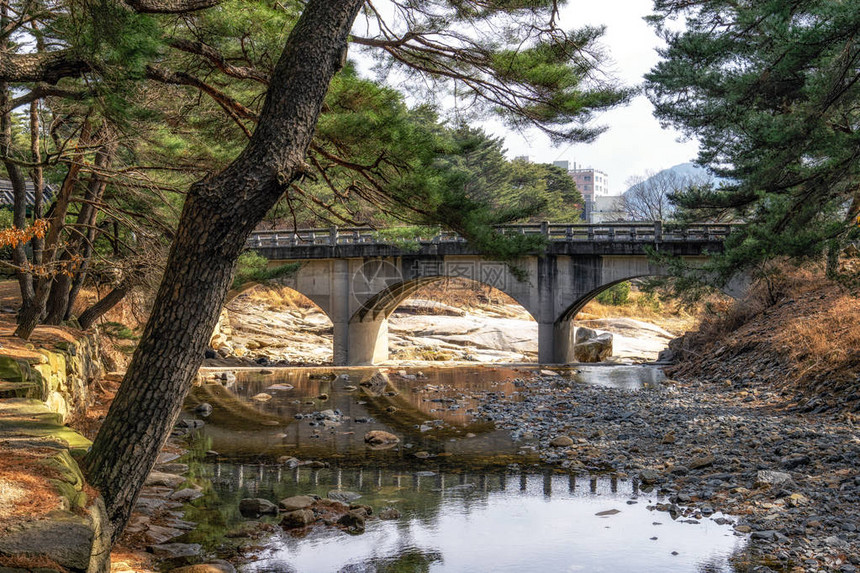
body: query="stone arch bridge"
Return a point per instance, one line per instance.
(358, 278)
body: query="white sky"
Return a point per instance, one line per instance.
(635, 142)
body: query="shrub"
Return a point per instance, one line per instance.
(616, 296)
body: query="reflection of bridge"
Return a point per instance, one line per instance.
(358, 278)
(254, 480)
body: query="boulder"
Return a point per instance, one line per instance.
(594, 349)
(649, 477)
(379, 438)
(295, 502)
(63, 537)
(583, 334)
(297, 519)
(255, 506)
(561, 442)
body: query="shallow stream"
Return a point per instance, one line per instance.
(470, 498)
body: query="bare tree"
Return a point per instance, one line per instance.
(648, 197)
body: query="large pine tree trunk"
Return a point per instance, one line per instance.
(216, 220)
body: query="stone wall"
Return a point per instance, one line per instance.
(61, 376)
(41, 389)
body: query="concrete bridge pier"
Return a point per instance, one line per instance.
(368, 342)
(555, 342)
(338, 310)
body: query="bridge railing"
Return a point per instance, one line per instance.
(601, 232)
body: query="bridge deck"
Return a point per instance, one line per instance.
(600, 239)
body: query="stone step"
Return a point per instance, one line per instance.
(17, 389)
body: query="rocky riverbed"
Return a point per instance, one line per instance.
(789, 480)
(253, 331)
(730, 446)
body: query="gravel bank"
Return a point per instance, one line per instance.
(792, 480)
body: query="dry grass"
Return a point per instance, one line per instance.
(826, 340)
(667, 315)
(799, 320)
(24, 488)
(278, 298)
(29, 563)
(465, 294)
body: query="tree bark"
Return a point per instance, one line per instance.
(37, 176)
(62, 292)
(30, 316)
(19, 210)
(19, 188)
(216, 220)
(107, 302)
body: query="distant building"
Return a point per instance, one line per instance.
(591, 183)
(522, 158)
(7, 195)
(606, 209)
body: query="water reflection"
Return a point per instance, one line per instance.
(476, 521)
(309, 412)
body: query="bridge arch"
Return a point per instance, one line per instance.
(571, 311)
(368, 326)
(386, 301)
(293, 310)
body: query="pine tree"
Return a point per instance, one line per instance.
(772, 91)
(509, 58)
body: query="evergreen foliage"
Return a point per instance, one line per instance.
(771, 90)
(617, 295)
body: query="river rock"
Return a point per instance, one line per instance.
(203, 409)
(561, 442)
(380, 438)
(174, 550)
(173, 468)
(591, 347)
(283, 387)
(298, 518)
(261, 397)
(157, 534)
(649, 477)
(255, 506)
(163, 479)
(389, 513)
(343, 495)
(701, 462)
(186, 495)
(353, 521)
(773, 479)
(215, 566)
(295, 502)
